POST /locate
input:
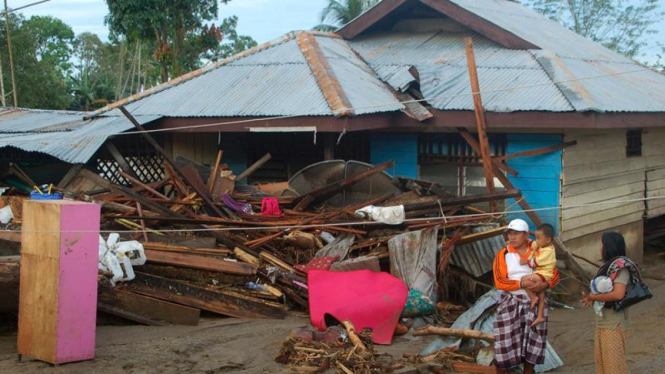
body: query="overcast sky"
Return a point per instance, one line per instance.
(263, 20)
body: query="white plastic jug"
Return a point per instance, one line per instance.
(133, 250)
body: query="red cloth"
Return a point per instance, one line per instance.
(319, 263)
(368, 299)
(270, 207)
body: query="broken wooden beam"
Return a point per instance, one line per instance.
(254, 167)
(477, 236)
(199, 262)
(148, 307)
(473, 143)
(213, 175)
(539, 151)
(467, 334)
(120, 159)
(156, 246)
(481, 123)
(220, 301)
(464, 200)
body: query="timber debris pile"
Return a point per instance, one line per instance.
(340, 239)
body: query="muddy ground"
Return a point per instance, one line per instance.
(244, 347)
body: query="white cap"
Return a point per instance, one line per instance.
(518, 225)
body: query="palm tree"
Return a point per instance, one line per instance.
(340, 12)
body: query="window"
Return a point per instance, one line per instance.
(634, 143)
(449, 161)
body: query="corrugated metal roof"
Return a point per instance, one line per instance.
(477, 258)
(365, 91)
(566, 55)
(481, 317)
(64, 135)
(397, 76)
(444, 79)
(275, 81)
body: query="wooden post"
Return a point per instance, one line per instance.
(213, 177)
(255, 166)
(117, 156)
(11, 58)
(480, 120)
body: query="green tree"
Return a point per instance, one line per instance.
(41, 51)
(340, 12)
(232, 43)
(176, 27)
(620, 25)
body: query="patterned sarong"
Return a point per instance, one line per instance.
(516, 342)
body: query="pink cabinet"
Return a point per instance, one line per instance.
(58, 291)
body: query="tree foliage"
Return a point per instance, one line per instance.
(620, 25)
(177, 28)
(338, 13)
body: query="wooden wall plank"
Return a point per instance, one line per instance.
(604, 194)
(600, 226)
(602, 215)
(584, 187)
(594, 171)
(38, 300)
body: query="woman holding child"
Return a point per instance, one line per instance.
(609, 287)
(520, 328)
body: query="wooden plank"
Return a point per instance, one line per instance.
(156, 246)
(154, 309)
(569, 190)
(463, 200)
(254, 167)
(71, 174)
(185, 241)
(215, 171)
(576, 232)
(614, 203)
(586, 156)
(467, 367)
(481, 235)
(138, 183)
(117, 156)
(600, 216)
(481, 123)
(194, 179)
(538, 151)
(656, 174)
(199, 262)
(655, 184)
(602, 170)
(604, 194)
(129, 315)
(10, 236)
(38, 300)
(226, 303)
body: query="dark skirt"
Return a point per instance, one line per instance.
(516, 342)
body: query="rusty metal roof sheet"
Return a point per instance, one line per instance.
(61, 134)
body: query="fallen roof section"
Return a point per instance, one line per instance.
(62, 134)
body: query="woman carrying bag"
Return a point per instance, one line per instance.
(616, 287)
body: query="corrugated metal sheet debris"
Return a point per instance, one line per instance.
(64, 135)
(477, 258)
